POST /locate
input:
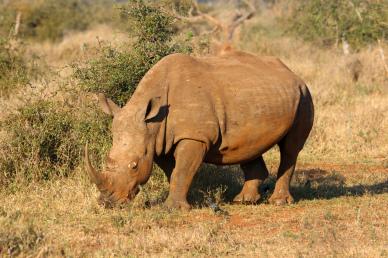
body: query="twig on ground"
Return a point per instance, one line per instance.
(216, 208)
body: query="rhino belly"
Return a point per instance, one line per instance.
(248, 141)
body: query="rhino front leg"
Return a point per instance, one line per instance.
(255, 172)
(189, 155)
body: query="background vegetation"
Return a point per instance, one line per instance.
(48, 136)
(117, 72)
(51, 20)
(47, 139)
(359, 22)
(14, 72)
(66, 51)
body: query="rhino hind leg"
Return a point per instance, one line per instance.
(281, 194)
(290, 146)
(255, 172)
(188, 155)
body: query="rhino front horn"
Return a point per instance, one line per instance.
(93, 175)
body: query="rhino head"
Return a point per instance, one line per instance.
(129, 162)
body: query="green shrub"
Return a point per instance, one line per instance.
(360, 22)
(113, 72)
(24, 240)
(117, 72)
(51, 19)
(14, 71)
(45, 139)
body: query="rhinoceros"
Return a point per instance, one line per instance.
(223, 110)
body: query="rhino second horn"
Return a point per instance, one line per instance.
(93, 175)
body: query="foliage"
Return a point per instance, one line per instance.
(112, 73)
(46, 139)
(25, 240)
(360, 22)
(117, 72)
(14, 71)
(51, 19)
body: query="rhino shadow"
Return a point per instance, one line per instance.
(222, 184)
(310, 184)
(215, 183)
(321, 184)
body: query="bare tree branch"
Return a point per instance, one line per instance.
(226, 29)
(239, 20)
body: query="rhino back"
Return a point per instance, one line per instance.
(239, 105)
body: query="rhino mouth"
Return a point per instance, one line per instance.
(134, 193)
(109, 199)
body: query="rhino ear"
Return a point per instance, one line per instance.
(153, 108)
(107, 105)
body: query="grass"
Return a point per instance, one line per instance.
(14, 70)
(48, 20)
(340, 212)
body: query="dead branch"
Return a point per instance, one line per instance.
(239, 19)
(226, 29)
(17, 23)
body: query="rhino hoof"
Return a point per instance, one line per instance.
(281, 200)
(247, 198)
(177, 205)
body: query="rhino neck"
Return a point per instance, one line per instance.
(147, 165)
(148, 88)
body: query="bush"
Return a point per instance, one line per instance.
(360, 22)
(51, 19)
(46, 139)
(14, 71)
(117, 72)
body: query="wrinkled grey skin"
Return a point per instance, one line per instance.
(228, 109)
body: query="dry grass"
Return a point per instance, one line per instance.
(341, 212)
(76, 46)
(341, 184)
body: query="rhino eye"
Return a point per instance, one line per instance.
(132, 165)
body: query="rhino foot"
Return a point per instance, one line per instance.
(179, 205)
(283, 199)
(247, 197)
